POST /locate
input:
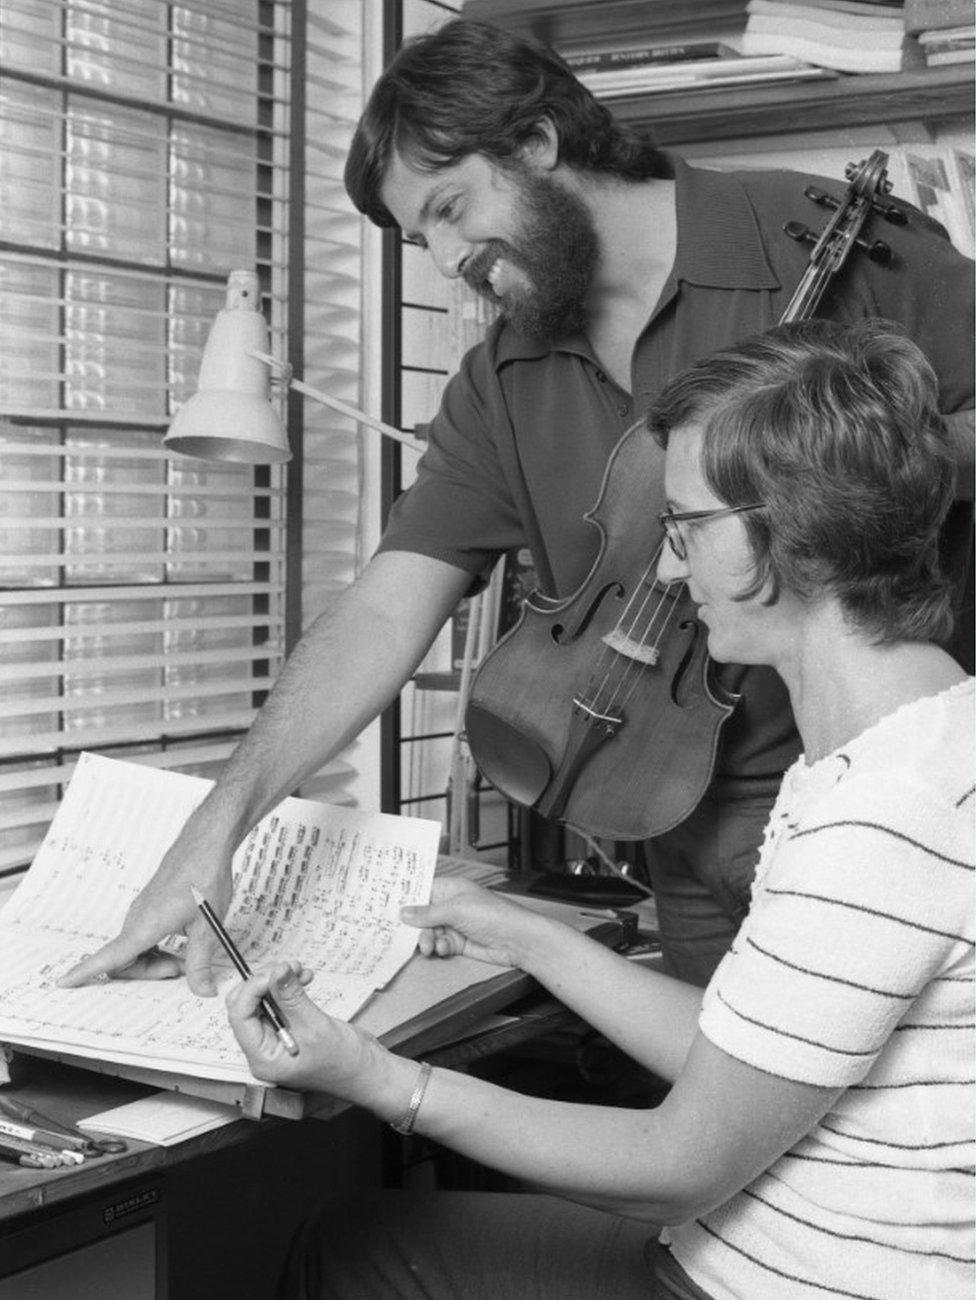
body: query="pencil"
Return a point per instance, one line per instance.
(29, 1155)
(268, 1004)
(37, 1137)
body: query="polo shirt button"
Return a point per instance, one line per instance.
(601, 376)
(623, 409)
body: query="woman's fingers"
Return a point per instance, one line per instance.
(285, 982)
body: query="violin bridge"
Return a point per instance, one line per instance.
(637, 650)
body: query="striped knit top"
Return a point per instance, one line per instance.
(854, 968)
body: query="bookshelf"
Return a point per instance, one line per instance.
(862, 99)
(931, 95)
(607, 23)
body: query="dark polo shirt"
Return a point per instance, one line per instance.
(518, 449)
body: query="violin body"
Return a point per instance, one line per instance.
(567, 693)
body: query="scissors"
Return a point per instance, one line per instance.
(86, 1143)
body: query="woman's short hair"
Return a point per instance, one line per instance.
(836, 428)
(471, 88)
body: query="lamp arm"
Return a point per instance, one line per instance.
(337, 405)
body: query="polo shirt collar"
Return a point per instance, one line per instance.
(714, 215)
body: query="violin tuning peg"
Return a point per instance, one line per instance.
(821, 197)
(894, 215)
(801, 233)
(878, 251)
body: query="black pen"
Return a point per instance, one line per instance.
(268, 1004)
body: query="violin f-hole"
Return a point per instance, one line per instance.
(694, 628)
(563, 635)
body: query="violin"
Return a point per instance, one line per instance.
(598, 711)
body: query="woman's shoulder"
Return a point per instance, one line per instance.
(927, 742)
(899, 798)
(928, 738)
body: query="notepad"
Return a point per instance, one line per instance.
(163, 1119)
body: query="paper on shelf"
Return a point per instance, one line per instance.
(315, 881)
(163, 1119)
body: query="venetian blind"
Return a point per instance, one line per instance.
(143, 156)
(334, 477)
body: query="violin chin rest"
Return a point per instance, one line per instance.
(509, 759)
(602, 891)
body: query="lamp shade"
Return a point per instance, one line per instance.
(230, 416)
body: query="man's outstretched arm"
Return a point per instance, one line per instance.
(347, 667)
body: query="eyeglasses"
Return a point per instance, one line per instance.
(671, 519)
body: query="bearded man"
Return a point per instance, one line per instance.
(614, 266)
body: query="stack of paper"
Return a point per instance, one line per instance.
(949, 45)
(846, 35)
(734, 70)
(163, 1119)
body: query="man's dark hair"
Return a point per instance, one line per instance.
(471, 88)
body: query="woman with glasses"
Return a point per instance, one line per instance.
(817, 1137)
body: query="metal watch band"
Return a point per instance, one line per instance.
(407, 1120)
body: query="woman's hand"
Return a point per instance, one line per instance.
(333, 1056)
(463, 918)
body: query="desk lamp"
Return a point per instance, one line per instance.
(230, 416)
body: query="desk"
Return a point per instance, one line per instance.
(211, 1216)
(205, 1218)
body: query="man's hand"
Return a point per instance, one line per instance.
(165, 906)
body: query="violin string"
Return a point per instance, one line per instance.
(632, 665)
(621, 682)
(669, 599)
(614, 691)
(601, 696)
(638, 628)
(631, 678)
(608, 657)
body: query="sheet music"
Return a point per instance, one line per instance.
(315, 881)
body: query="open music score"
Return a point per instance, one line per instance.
(315, 881)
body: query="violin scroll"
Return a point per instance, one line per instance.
(865, 196)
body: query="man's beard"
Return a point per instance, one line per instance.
(556, 250)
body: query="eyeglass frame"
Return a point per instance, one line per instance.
(668, 520)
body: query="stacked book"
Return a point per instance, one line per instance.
(599, 24)
(948, 45)
(945, 30)
(694, 65)
(845, 35)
